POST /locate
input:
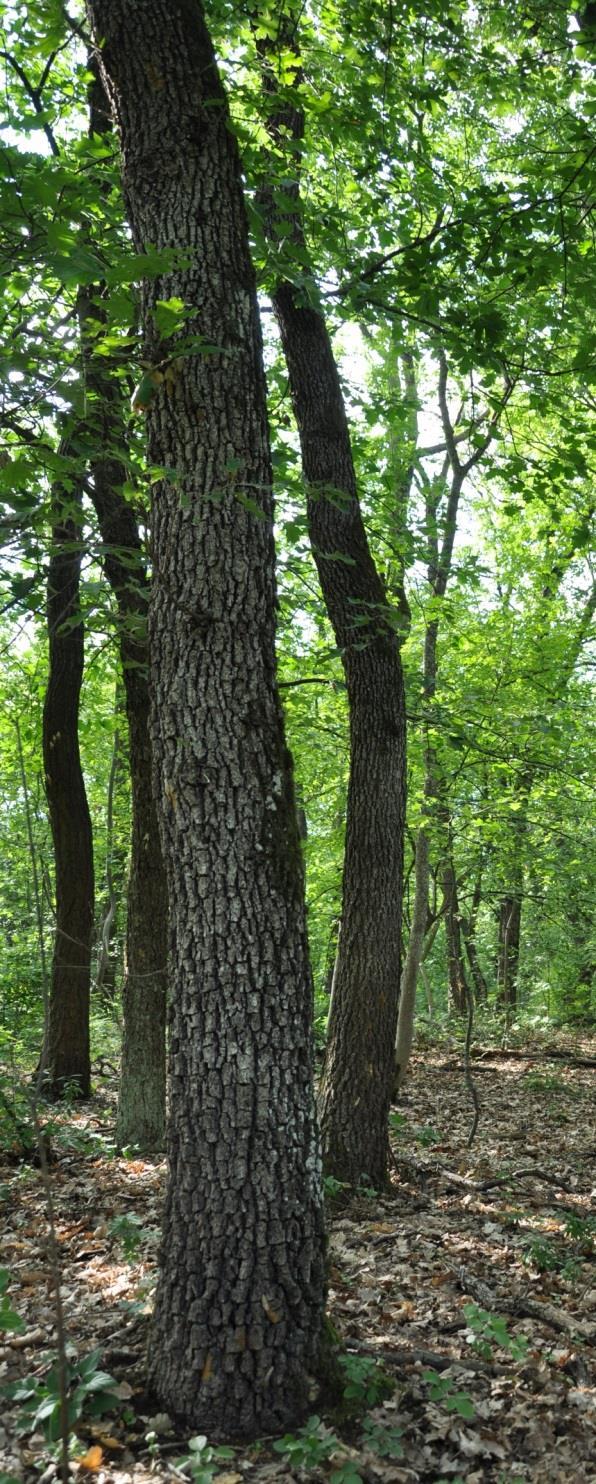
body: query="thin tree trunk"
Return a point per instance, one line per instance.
(65, 1061)
(239, 1303)
(141, 1102)
(458, 986)
(358, 1075)
(468, 934)
(409, 978)
(509, 934)
(105, 975)
(142, 1092)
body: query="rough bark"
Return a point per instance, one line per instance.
(239, 1303)
(142, 1092)
(64, 1063)
(357, 1082)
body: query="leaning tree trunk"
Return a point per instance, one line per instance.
(142, 1093)
(240, 1296)
(358, 1075)
(64, 1063)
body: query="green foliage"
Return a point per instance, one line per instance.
(9, 1319)
(542, 1255)
(545, 1082)
(90, 1392)
(129, 1231)
(441, 1391)
(310, 1447)
(333, 1188)
(426, 1136)
(202, 1462)
(490, 1331)
(382, 1439)
(366, 1382)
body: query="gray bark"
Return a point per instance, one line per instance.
(240, 1295)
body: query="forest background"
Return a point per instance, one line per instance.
(419, 183)
(447, 169)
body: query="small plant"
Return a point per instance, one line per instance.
(427, 1136)
(308, 1448)
(346, 1473)
(366, 1383)
(332, 1187)
(541, 1255)
(491, 1330)
(152, 1442)
(366, 1192)
(385, 1441)
(453, 1401)
(130, 1233)
(88, 1390)
(202, 1461)
(9, 1319)
(582, 1229)
(85, 1141)
(544, 1082)
(571, 1270)
(513, 1217)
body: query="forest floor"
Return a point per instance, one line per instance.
(471, 1283)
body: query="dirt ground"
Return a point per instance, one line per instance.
(471, 1282)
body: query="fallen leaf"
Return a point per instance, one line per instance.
(91, 1460)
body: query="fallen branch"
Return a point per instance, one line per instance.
(523, 1307)
(496, 1054)
(479, 1186)
(405, 1355)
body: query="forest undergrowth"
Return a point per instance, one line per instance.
(463, 1300)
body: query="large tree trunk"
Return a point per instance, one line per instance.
(240, 1296)
(358, 1075)
(142, 1095)
(64, 1062)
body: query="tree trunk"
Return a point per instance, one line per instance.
(509, 932)
(64, 1062)
(358, 1075)
(409, 978)
(240, 1296)
(141, 1103)
(458, 987)
(480, 985)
